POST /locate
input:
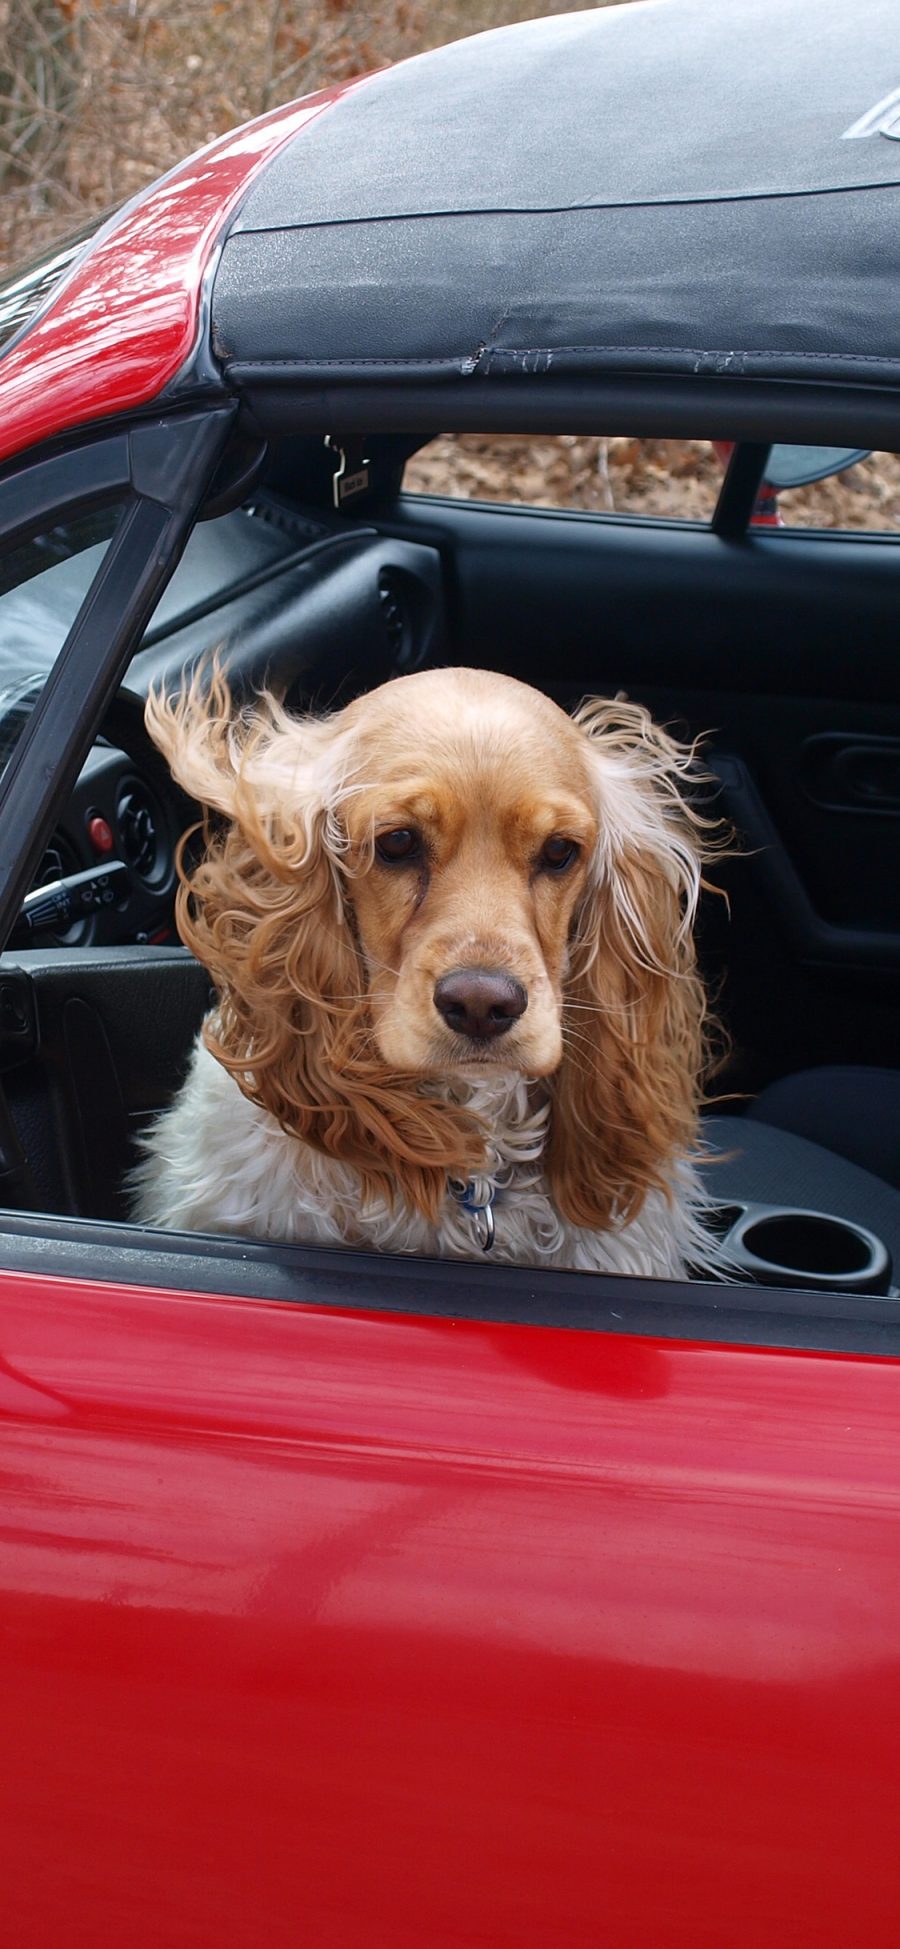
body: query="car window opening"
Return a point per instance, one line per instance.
(124, 818)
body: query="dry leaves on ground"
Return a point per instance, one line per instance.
(667, 478)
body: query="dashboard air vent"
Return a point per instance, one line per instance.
(141, 832)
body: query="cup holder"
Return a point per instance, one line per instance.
(776, 1246)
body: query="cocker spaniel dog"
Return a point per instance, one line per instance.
(450, 931)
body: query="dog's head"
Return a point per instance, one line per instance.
(447, 878)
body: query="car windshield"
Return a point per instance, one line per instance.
(44, 580)
(42, 586)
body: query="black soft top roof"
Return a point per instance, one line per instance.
(683, 187)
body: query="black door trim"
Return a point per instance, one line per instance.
(95, 1252)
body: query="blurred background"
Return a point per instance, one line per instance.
(98, 97)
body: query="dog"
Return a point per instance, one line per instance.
(450, 930)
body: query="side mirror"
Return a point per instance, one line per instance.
(799, 466)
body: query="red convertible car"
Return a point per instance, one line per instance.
(348, 1599)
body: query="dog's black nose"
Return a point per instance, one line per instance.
(479, 1003)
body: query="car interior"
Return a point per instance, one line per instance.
(776, 647)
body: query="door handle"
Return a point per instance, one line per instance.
(818, 942)
(852, 774)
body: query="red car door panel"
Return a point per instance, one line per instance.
(368, 1628)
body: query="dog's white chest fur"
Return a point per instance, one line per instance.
(215, 1162)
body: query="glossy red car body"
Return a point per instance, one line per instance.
(126, 320)
(367, 1628)
(370, 1629)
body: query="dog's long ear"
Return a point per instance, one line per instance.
(626, 1098)
(268, 910)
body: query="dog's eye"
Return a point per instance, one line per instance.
(396, 848)
(558, 853)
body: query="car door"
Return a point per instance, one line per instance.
(353, 1602)
(354, 1599)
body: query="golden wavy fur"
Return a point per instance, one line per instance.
(325, 955)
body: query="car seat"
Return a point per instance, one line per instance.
(851, 1110)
